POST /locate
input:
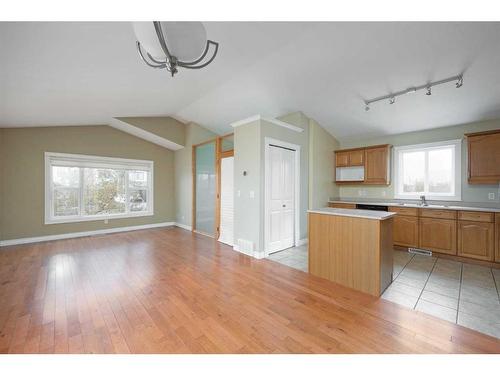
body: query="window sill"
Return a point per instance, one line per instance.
(49, 221)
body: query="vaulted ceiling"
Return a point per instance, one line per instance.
(87, 73)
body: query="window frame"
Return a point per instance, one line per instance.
(94, 161)
(457, 170)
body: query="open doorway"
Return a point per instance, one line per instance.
(226, 190)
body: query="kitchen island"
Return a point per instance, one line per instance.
(352, 247)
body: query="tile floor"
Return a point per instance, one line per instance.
(462, 293)
(295, 257)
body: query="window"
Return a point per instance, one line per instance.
(82, 188)
(431, 169)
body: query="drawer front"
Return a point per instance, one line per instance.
(341, 205)
(485, 217)
(404, 211)
(438, 214)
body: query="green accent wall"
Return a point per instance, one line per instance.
(22, 176)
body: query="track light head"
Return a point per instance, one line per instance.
(460, 82)
(367, 107)
(429, 91)
(392, 100)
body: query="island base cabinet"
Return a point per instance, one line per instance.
(405, 231)
(439, 235)
(319, 242)
(476, 240)
(351, 251)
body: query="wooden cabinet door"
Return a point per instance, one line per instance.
(497, 236)
(405, 231)
(319, 245)
(342, 159)
(356, 158)
(439, 235)
(476, 240)
(484, 158)
(376, 164)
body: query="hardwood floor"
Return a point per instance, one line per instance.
(170, 291)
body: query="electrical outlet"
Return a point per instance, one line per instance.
(383, 193)
(105, 221)
(491, 196)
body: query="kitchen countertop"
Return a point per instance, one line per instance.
(414, 205)
(362, 214)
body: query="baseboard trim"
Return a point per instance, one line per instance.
(254, 254)
(184, 226)
(20, 241)
(302, 241)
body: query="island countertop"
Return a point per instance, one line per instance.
(362, 214)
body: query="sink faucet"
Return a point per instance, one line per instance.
(423, 202)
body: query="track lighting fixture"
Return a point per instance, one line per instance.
(392, 97)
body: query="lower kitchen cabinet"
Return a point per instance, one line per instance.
(405, 232)
(439, 235)
(497, 235)
(476, 240)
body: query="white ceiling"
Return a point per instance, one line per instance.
(88, 73)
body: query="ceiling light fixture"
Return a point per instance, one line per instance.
(169, 45)
(392, 97)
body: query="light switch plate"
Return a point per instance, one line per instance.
(491, 196)
(252, 194)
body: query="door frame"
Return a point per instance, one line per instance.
(220, 155)
(297, 148)
(193, 186)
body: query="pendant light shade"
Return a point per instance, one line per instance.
(172, 44)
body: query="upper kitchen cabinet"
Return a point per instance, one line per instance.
(483, 157)
(350, 158)
(367, 165)
(377, 165)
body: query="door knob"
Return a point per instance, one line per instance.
(284, 205)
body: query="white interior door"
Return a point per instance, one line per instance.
(281, 199)
(227, 201)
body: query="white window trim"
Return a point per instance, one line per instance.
(457, 159)
(102, 161)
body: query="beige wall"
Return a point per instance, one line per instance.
(22, 180)
(321, 158)
(1, 181)
(470, 193)
(183, 172)
(247, 158)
